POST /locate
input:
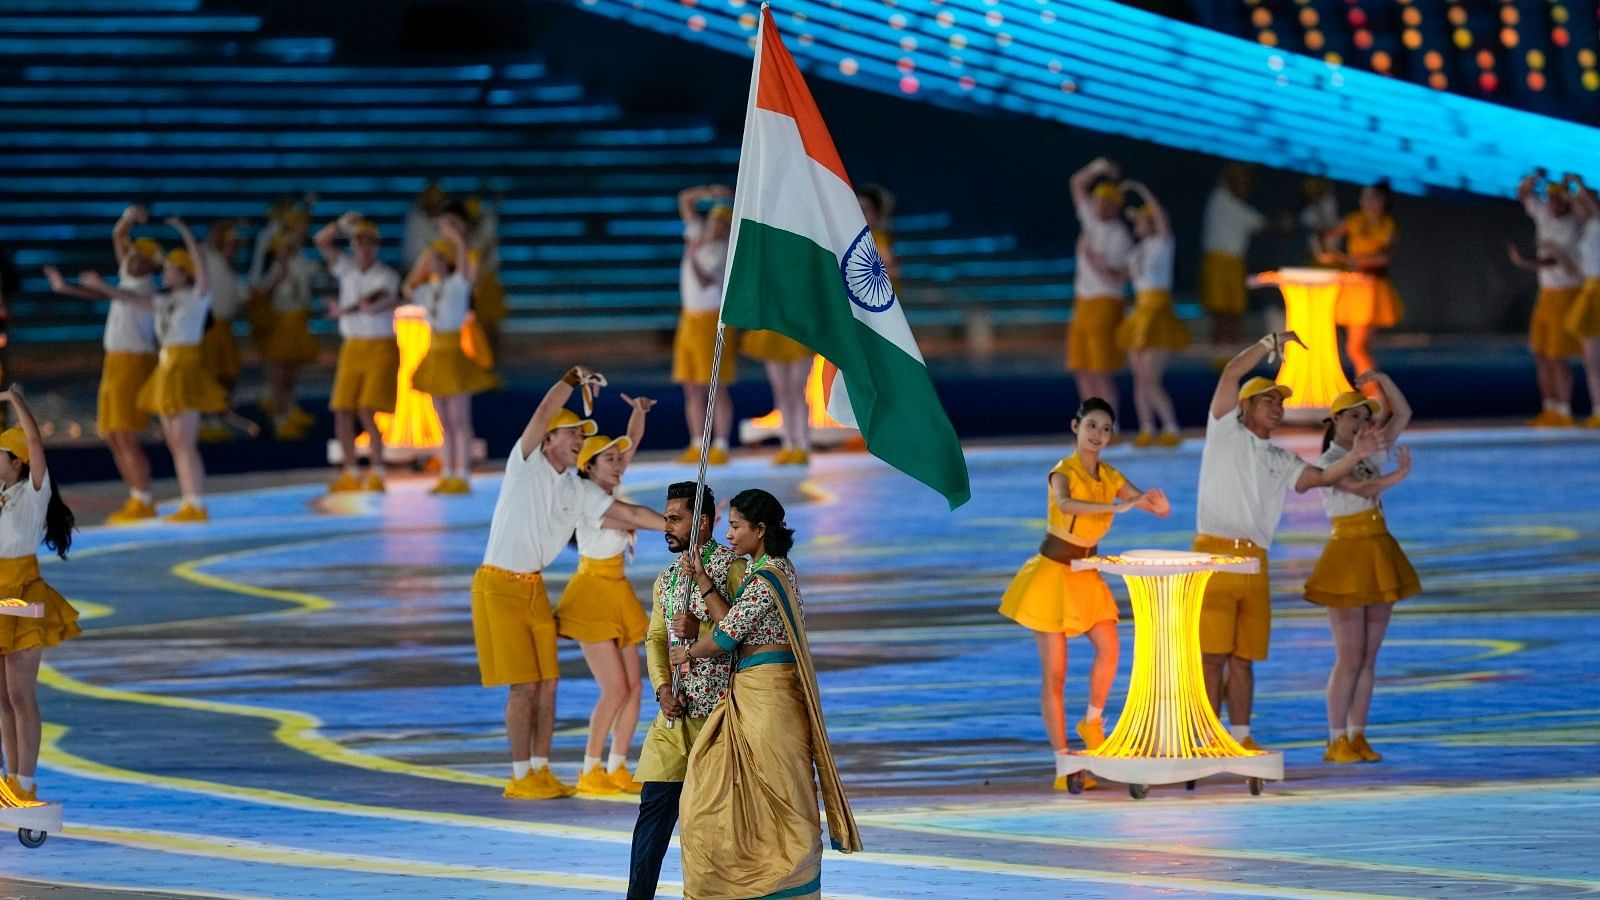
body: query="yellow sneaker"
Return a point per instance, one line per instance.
(1089, 783)
(189, 512)
(549, 779)
(1558, 420)
(1145, 439)
(1093, 733)
(1169, 439)
(623, 779)
(300, 418)
(132, 511)
(1340, 752)
(443, 487)
(718, 457)
(689, 456)
(596, 781)
(288, 430)
(346, 483)
(459, 485)
(13, 794)
(1364, 750)
(799, 457)
(528, 788)
(374, 483)
(1249, 743)
(783, 458)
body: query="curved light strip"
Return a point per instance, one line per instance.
(1098, 65)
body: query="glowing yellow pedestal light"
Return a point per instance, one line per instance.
(1314, 372)
(825, 432)
(1167, 731)
(413, 428)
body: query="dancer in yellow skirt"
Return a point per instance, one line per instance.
(285, 338)
(1372, 302)
(1556, 229)
(364, 382)
(1362, 570)
(1151, 331)
(130, 357)
(1583, 317)
(600, 611)
(788, 365)
(1099, 281)
(218, 348)
(1056, 603)
(700, 275)
(180, 388)
(750, 824)
(441, 283)
(31, 510)
(1229, 224)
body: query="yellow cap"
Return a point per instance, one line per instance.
(474, 208)
(147, 248)
(1106, 190)
(445, 249)
(566, 418)
(295, 217)
(1351, 400)
(365, 228)
(180, 258)
(1260, 385)
(598, 444)
(720, 211)
(14, 442)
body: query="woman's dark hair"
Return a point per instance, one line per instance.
(761, 508)
(1095, 404)
(59, 522)
(874, 195)
(1327, 434)
(1385, 193)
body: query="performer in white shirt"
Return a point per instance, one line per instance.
(1229, 224)
(1099, 281)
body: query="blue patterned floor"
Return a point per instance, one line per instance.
(284, 703)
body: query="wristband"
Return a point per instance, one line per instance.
(708, 592)
(572, 378)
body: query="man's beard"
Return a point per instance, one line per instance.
(676, 544)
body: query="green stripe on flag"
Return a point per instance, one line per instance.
(786, 283)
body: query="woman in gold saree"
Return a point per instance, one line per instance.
(749, 822)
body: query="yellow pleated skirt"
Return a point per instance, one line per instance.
(1583, 316)
(693, 348)
(1361, 564)
(1092, 335)
(1372, 302)
(1222, 290)
(1048, 596)
(750, 826)
(599, 605)
(1151, 324)
(181, 384)
(288, 340)
(770, 346)
(121, 377)
(220, 351)
(19, 580)
(446, 372)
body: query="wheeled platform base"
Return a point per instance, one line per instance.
(1139, 773)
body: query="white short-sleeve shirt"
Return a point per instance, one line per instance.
(227, 290)
(595, 541)
(446, 301)
(131, 328)
(1343, 503)
(537, 512)
(709, 258)
(1150, 264)
(1589, 248)
(1559, 233)
(181, 317)
(356, 283)
(22, 514)
(1244, 480)
(1109, 239)
(1228, 224)
(293, 292)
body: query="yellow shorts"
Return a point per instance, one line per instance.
(181, 384)
(1236, 615)
(446, 372)
(512, 627)
(367, 375)
(1092, 336)
(1372, 302)
(1222, 284)
(489, 298)
(1583, 316)
(599, 605)
(1547, 332)
(693, 348)
(1151, 324)
(1361, 564)
(220, 351)
(770, 346)
(287, 340)
(121, 376)
(19, 579)
(1048, 596)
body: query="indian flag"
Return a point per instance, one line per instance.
(804, 265)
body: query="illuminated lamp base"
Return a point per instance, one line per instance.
(29, 816)
(825, 432)
(22, 609)
(1266, 765)
(399, 455)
